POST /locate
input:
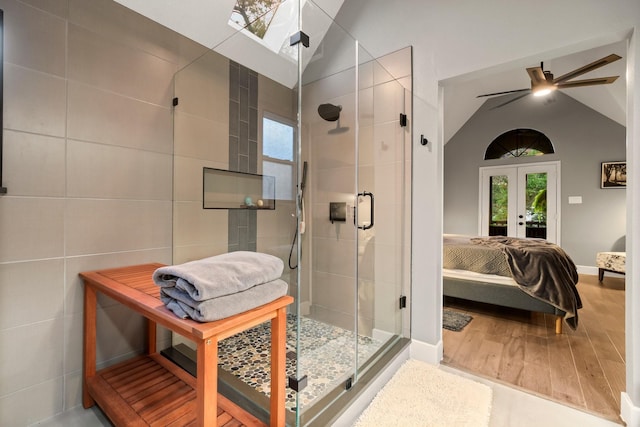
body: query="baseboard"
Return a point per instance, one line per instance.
(587, 269)
(629, 412)
(593, 271)
(428, 353)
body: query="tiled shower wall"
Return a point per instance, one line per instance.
(89, 168)
(384, 168)
(243, 149)
(217, 126)
(88, 135)
(201, 139)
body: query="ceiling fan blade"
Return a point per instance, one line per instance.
(536, 75)
(514, 99)
(589, 67)
(503, 93)
(588, 82)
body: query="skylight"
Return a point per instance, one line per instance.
(254, 16)
(268, 22)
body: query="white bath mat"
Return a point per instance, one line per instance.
(420, 394)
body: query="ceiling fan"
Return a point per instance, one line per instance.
(543, 82)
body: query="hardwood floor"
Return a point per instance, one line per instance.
(584, 368)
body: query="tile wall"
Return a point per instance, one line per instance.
(88, 134)
(383, 155)
(217, 125)
(93, 181)
(201, 139)
(243, 149)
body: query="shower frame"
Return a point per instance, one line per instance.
(197, 232)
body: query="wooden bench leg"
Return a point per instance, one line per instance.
(278, 367)
(600, 274)
(89, 344)
(151, 346)
(207, 382)
(558, 324)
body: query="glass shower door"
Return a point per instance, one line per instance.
(381, 201)
(353, 135)
(327, 309)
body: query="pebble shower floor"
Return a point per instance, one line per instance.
(327, 357)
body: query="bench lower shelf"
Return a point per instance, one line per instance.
(150, 390)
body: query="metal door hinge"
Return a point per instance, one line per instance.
(403, 302)
(298, 384)
(175, 101)
(299, 37)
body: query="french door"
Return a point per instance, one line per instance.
(520, 201)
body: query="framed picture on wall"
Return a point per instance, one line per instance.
(613, 175)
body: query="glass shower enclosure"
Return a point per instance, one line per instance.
(298, 140)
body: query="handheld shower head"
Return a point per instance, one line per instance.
(329, 112)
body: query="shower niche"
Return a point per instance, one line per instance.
(225, 189)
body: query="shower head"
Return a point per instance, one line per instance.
(329, 112)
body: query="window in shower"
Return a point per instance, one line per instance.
(278, 137)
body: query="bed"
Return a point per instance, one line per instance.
(527, 274)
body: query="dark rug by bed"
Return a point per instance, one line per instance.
(454, 320)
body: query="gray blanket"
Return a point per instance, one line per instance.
(183, 306)
(541, 269)
(220, 275)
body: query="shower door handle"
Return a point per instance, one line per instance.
(370, 195)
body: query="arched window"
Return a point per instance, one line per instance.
(519, 143)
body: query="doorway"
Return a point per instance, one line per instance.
(461, 216)
(520, 201)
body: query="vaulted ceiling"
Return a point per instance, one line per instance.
(206, 22)
(460, 94)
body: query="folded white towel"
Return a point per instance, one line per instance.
(220, 275)
(181, 304)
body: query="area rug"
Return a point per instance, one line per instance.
(454, 320)
(420, 394)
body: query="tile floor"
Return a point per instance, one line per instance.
(510, 408)
(243, 355)
(327, 357)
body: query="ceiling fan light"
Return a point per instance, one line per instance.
(543, 89)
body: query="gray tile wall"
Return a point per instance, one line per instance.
(88, 144)
(200, 139)
(88, 137)
(243, 149)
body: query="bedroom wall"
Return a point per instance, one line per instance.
(582, 139)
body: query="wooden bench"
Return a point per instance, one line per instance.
(149, 389)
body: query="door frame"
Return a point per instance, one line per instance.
(513, 200)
